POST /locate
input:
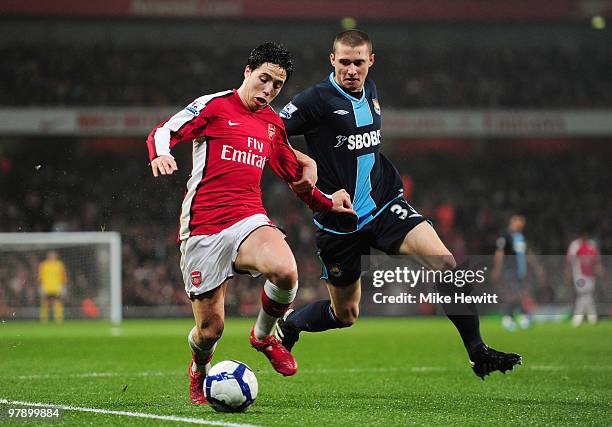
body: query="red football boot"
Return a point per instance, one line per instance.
(196, 386)
(282, 361)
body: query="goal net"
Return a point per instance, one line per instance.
(91, 287)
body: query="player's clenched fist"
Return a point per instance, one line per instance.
(163, 165)
(342, 202)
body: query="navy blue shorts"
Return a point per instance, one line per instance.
(340, 254)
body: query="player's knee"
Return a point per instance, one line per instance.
(347, 315)
(443, 262)
(448, 262)
(284, 274)
(213, 333)
(210, 331)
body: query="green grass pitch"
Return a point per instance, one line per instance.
(386, 372)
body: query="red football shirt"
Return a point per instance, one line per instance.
(583, 256)
(231, 146)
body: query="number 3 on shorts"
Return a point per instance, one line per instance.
(401, 212)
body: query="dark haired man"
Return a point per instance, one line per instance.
(223, 224)
(340, 119)
(513, 244)
(512, 259)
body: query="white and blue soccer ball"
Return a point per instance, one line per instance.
(230, 386)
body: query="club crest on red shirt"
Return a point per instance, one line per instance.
(196, 278)
(271, 131)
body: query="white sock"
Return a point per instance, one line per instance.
(275, 302)
(264, 325)
(201, 361)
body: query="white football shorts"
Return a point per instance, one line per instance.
(208, 260)
(584, 284)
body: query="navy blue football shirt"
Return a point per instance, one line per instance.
(343, 136)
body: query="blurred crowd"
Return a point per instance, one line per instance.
(62, 186)
(560, 194)
(525, 77)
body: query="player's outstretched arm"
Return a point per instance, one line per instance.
(186, 125)
(163, 165)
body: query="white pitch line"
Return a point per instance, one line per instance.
(315, 371)
(91, 375)
(127, 414)
(564, 367)
(381, 370)
(547, 368)
(164, 374)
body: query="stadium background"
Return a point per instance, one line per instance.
(489, 108)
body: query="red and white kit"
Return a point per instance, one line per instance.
(222, 205)
(231, 146)
(583, 256)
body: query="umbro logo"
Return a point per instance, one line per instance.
(229, 122)
(341, 112)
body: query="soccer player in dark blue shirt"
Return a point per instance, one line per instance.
(340, 119)
(513, 245)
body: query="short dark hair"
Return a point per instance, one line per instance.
(273, 53)
(352, 38)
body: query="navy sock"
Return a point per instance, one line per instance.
(469, 329)
(314, 317)
(463, 315)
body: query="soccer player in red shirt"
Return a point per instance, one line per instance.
(223, 224)
(585, 262)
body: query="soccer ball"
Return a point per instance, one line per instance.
(230, 386)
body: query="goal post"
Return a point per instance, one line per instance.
(92, 262)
